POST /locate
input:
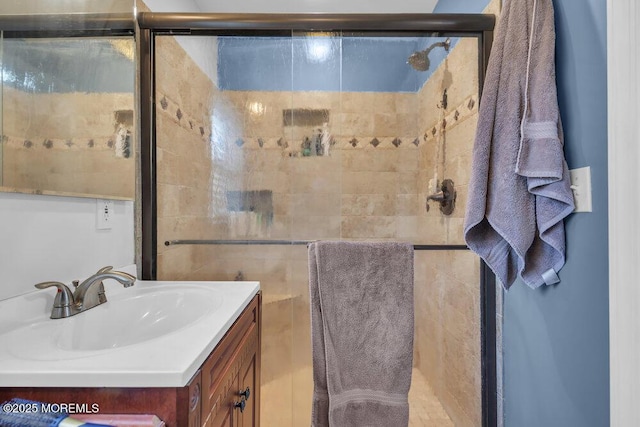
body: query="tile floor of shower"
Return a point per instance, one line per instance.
(286, 394)
(281, 409)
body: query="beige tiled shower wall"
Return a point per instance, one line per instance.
(184, 155)
(447, 346)
(449, 133)
(366, 187)
(65, 142)
(447, 292)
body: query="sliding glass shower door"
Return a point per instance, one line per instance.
(264, 143)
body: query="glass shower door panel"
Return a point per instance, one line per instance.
(447, 116)
(264, 80)
(223, 176)
(379, 117)
(192, 164)
(320, 136)
(315, 195)
(1, 103)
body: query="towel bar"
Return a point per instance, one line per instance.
(297, 242)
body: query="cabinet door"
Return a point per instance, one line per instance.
(249, 386)
(232, 367)
(227, 415)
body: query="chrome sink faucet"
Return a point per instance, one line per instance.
(87, 294)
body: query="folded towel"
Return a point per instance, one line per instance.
(362, 313)
(519, 191)
(123, 420)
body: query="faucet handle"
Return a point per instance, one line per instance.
(63, 302)
(105, 269)
(64, 297)
(43, 285)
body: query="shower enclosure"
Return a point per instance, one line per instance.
(260, 135)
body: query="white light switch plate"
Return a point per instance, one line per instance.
(581, 187)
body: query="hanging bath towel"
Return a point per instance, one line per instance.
(361, 298)
(519, 191)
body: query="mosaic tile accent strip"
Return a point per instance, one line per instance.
(58, 144)
(466, 109)
(190, 123)
(379, 143)
(261, 143)
(282, 143)
(185, 120)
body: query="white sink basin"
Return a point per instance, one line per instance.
(131, 317)
(140, 333)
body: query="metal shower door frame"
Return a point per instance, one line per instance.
(150, 24)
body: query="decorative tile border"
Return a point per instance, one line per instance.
(56, 144)
(455, 117)
(458, 115)
(169, 107)
(339, 143)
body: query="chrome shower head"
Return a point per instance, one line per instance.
(420, 60)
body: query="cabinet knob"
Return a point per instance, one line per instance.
(195, 398)
(240, 405)
(246, 393)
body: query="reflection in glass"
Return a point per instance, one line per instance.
(68, 115)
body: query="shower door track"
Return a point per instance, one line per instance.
(152, 24)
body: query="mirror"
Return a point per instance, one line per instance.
(68, 116)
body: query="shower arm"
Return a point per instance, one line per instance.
(445, 44)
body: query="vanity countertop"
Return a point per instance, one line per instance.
(153, 334)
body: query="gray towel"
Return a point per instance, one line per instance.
(362, 333)
(519, 191)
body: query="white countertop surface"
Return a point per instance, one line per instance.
(168, 360)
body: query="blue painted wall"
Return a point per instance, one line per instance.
(460, 6)
(556, 339)
(352, 64)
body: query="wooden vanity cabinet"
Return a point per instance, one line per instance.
(212, 398)
(230, 376)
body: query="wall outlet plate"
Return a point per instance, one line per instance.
(104, 214)
(581, 187)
